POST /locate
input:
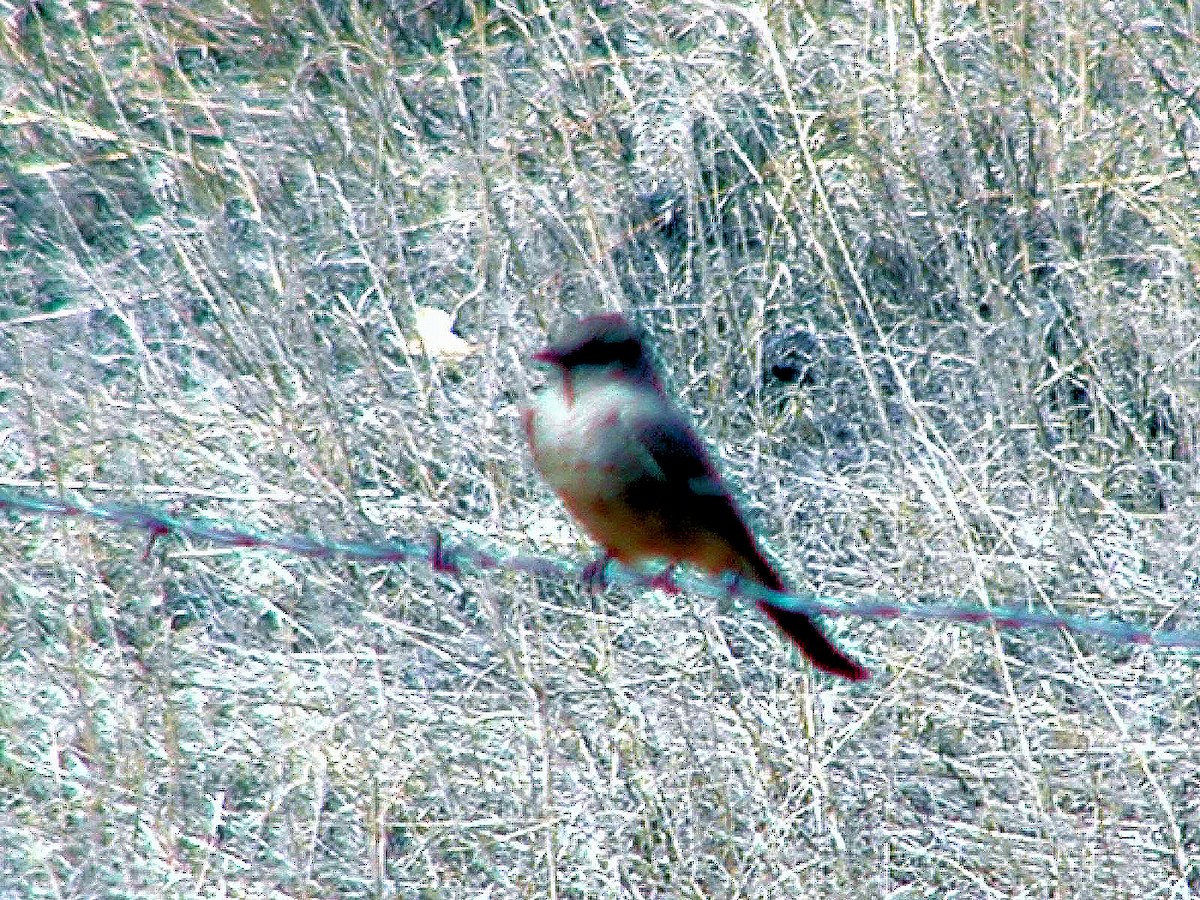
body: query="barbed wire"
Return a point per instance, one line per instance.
(462, 558)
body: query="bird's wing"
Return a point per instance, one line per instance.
(674, 457)
(679, 486)
(678, 475)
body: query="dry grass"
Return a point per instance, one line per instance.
(217, 224)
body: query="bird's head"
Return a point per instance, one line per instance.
(606, 344)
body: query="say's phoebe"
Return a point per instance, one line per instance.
(629, 467)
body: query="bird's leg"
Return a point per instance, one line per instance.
(593, 573)
(439, 558)
(665, 580)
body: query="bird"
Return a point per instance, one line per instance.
(627, 464)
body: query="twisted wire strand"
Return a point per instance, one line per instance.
(463, 558)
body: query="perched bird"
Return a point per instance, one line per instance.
(627, 464)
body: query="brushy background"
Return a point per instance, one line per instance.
(925, 273)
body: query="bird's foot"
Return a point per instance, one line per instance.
(665, 581)
(439, 557)
(593, 577)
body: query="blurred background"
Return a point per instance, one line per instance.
(925, 274)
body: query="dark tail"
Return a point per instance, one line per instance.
(802, 630)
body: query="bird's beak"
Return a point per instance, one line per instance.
(547, 355)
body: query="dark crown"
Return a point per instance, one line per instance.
(598, 341)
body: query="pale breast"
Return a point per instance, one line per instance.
(585, 448)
